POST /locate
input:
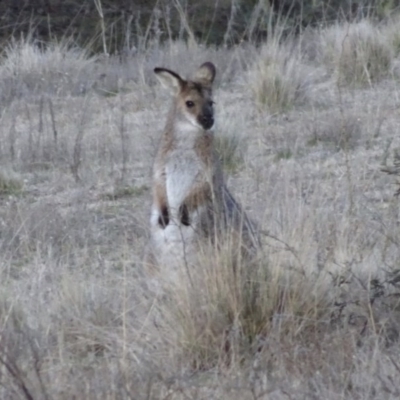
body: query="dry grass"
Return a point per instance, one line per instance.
(226, 310)
(278, 78)
(56, 68)
(359, 54)
(9, 185)
(340, 132)
(231, 141)
(392, 33)
(315, 316)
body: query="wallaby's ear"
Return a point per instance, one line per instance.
(169, 79)
(206, 73)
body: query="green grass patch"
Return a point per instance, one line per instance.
(125, 191)
(283, 154)
(9, 185)
(230, 151)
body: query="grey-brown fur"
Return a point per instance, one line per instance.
(191, 203)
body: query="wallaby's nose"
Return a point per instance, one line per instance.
(207, 121)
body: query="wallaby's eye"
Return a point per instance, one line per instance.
(189, 104)
(211, 103)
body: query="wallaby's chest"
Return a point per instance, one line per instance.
(183, 169)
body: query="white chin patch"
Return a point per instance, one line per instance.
(188, 125)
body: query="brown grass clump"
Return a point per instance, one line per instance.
(392, 33)
(278, 78)
(9, 184)
(225, 308)
(58, 68)
(230, 141)
(359, 54)
(338, 132)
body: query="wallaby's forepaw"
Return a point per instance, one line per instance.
(184, 215)
(163, 219)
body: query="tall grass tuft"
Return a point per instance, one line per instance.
(392, 33)
(57, 68)
(9, 185)
(229, 306)
(358, 54)
(230, 141)
(278, 78)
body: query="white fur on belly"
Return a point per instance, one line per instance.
(181, 173)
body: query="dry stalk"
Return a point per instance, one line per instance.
(99, 9)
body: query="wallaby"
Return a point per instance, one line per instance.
(190, 200)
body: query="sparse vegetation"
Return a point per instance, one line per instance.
(239, 310)
(315, 316)
(125, 191)
(56, 68)
(283, 154)
(9, 185)
(391, 31)
(230, 149)
(358, 53)
(337, 131)
(278, 79)
(231, 140)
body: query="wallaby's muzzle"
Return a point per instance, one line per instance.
(206, 119)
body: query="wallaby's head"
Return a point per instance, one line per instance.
(193, 97)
